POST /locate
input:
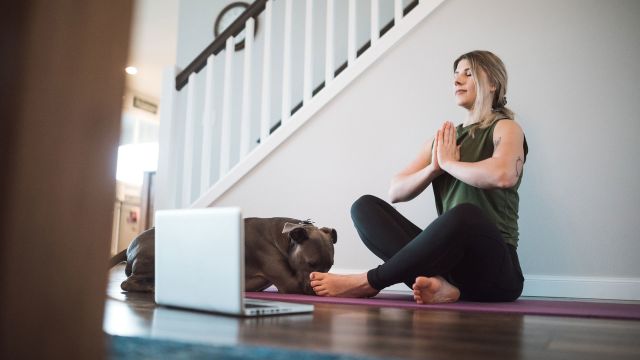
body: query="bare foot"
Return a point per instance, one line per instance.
(434, 290)
(326, 284)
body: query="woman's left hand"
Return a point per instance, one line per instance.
(448, 150)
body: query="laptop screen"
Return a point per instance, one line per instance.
(200, 259)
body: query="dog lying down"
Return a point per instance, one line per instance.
(278, 251)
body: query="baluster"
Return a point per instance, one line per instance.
(245, 125)
(286, 64)
(265, 114)
(375, 21)
(397, 12)
(208, 119)
(352, 32)
(188, 141)
(329, 62)
(167, 161)
(308, 52)
(225, 133)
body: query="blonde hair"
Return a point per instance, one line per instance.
(495, 76)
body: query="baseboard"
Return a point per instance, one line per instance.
(580, 287)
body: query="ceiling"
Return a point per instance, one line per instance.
(152, 45)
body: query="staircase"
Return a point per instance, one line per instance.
(208, 143)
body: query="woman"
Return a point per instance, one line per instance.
(475, 169)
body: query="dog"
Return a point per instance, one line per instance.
(278, 251)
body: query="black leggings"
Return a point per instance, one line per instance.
(461, 245)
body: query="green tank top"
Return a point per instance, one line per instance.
(500, 205)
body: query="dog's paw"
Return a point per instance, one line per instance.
(138, 285)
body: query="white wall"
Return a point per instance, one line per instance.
(152, 45)
(574, 86)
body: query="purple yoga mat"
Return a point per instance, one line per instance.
(522, 306)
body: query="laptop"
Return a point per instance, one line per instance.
(200, 263)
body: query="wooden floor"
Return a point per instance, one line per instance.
(380, 332)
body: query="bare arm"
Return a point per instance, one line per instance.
(501, 170)
(416, 177)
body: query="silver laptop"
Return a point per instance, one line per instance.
(200, 263)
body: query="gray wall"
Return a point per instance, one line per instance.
(574, 86)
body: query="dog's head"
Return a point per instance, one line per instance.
(310, 249)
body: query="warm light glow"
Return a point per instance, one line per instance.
(134, 160)
(131, 70)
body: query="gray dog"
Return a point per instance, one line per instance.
(278, 251)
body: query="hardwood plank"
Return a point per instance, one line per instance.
(382, 332)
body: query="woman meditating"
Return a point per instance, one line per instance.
(469, 251)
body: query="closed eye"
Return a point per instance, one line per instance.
(467, 72)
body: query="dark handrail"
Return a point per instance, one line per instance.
(238, 25)
(219, 43)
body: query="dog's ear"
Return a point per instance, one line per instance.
(297, 232)
(290, 226)
(332, 232)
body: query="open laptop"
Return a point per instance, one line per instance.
(200, 263)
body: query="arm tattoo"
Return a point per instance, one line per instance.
(496, 143)
(519, 165)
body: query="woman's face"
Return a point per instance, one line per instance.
(464, 85)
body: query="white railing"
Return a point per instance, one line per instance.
(201, 158)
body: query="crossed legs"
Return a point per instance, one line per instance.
(461, 253)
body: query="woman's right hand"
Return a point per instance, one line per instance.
(413, 179)
(434, 153)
